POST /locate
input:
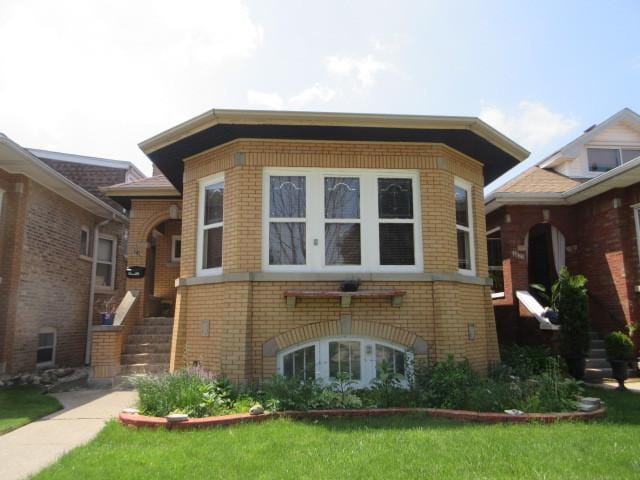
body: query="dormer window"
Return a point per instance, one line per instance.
(605, 159)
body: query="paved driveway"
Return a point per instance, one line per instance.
(28, 449)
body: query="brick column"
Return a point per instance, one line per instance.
(106, 348)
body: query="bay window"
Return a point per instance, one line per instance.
(464, 227)
(211, 225)
(341, 220)
(359, 358)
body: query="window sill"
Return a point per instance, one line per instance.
(496, 296)
(85, 258)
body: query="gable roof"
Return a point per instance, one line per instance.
(86, 160)
(18, 160)
(152, 187)
(539, 180)
(468, 135)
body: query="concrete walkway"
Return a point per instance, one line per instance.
(29, 449)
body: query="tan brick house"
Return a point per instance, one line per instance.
(276, 209)
(579, 207)
(50, 228)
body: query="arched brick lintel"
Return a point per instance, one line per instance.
(345, 326)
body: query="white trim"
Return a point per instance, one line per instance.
(87, 247)
(495, 268)
(497, 295)
(203, 183)
(174, 240)
(113, 262)
(493, 230)
(367, 358)
(46, 330)
(369, 220)
(468, 187)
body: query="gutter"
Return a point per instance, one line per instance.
(92, 288)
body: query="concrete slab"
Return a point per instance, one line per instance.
(29, 449)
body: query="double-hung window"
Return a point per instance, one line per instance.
(84, 241)
(494, 253)
(341, 220)
(464, 227)
(211, 225)
(106, 261)
(46, 351)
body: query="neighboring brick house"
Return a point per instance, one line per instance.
(49, 228)
(276, 209)
(579, 207)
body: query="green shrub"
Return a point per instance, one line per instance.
(572, 304)
(387, 389)
(619, 346)
(525, 361)
(448, 384)
(192, 391)
(281, 393)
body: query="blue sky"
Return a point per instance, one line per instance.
(98, 77)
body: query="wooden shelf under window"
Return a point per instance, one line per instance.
(396, 296)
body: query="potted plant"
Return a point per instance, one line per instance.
(619, 349)
(350, 285)
(107, 310)
(572, 304)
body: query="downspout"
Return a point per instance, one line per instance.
(92, 288)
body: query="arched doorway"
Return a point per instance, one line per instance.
(545, 254)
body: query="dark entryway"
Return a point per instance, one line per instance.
(541, 260)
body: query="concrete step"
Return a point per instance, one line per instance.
(158, 321)
(148, 338)
(152, 330)
(597, 363)
(140, 368)
(136, 358)
(596, 344)
(147, 348)
(597, 353)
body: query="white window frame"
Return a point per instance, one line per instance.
(496, 268)
(205, 182)
(113, 263)
(47, 330)
(459, 182)
(620, 149)
(174, 240)
(367, 357)
(87, 249)
(315, 220)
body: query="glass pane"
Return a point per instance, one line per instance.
(395, 359)
(603, 159)
(395, 198)
(287, 363)
(628, 155)
(44, 355)
(464, 252)
(399, 361)
(84, 242)
(344, 357)
(177, 249)
(342, 243)
(105, 250)
(396, 244)
(213, 203)
(462, 207)
(287, 197)
(341, 197)
(212, 248)
(287, 243)
(103, 274)
(45, 339)
(310, 362)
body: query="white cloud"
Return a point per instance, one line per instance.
(363, 69)
(99, 77)
(313, 96)
(533, 125)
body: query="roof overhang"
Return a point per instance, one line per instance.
(17, 160)
(124, 195)
(620, 177)
(468, 135)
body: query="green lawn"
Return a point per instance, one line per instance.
(386, 448)
(21, 405)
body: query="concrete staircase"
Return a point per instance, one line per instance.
(148, 347)
(597, 365)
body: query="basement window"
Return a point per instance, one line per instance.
(46, 352)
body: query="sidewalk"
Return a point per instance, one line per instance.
(29, 449)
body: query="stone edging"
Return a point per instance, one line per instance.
(135, 420)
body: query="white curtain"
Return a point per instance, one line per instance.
(559, 248)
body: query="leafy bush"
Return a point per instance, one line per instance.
(619, 346)
(193, 391)
(572, 305)
(448, 384)
(387, 389)
(525, 361)
(281, 393)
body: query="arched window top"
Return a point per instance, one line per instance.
(360, 357)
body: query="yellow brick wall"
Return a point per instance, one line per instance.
(223, 326)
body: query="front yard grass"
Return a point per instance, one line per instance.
(369, 448)
(21, 405)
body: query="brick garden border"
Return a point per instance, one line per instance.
(135, 420)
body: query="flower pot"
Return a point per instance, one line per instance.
(576, 367)
(107, 318)
(619, 372)
(350, 285)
